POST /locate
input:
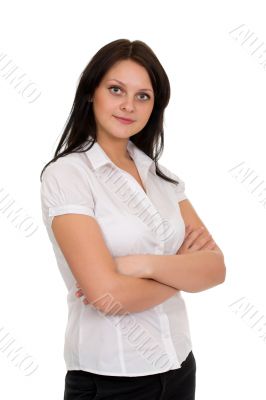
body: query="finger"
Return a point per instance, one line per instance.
(194, 236)
(188, 230)
(211, 245)
(195, 232)
(203, 243)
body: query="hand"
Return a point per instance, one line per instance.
(195, 240)
(79, 293)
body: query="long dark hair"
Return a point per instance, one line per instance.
(81, 127)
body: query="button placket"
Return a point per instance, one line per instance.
(144, 208)
(165, 235)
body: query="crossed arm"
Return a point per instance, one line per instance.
(162, 276)
(198, 265)
(190, 272)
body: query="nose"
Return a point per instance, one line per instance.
(127, 105)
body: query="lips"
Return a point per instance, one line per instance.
(124, 119)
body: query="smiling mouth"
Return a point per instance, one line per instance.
(124, 120)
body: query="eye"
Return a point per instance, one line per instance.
(114, 87)
(117, 87)
(145, 94)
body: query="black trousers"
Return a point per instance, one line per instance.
(178, 384)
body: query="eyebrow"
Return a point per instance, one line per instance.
(121, 83)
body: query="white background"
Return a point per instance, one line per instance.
(214, 122)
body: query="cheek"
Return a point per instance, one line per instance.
(147, 112)
(102, 109)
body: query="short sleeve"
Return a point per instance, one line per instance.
(178, 189)
(65, 189)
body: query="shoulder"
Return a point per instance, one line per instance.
(67, 177)
(66, 186)
(168, 172)
(69, 166)
(177, 189)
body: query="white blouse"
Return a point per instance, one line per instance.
(132, 222)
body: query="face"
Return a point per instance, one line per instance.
(125, 91)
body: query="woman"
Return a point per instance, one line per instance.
(116, 219)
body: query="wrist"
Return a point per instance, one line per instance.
(147, 265)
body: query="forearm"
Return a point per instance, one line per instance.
(130, 294)
(190, 272)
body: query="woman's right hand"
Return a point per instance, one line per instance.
(195, 240)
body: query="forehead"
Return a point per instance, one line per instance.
(129, 72)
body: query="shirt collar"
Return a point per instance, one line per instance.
(98, 157)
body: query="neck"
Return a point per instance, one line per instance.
(115, 150)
